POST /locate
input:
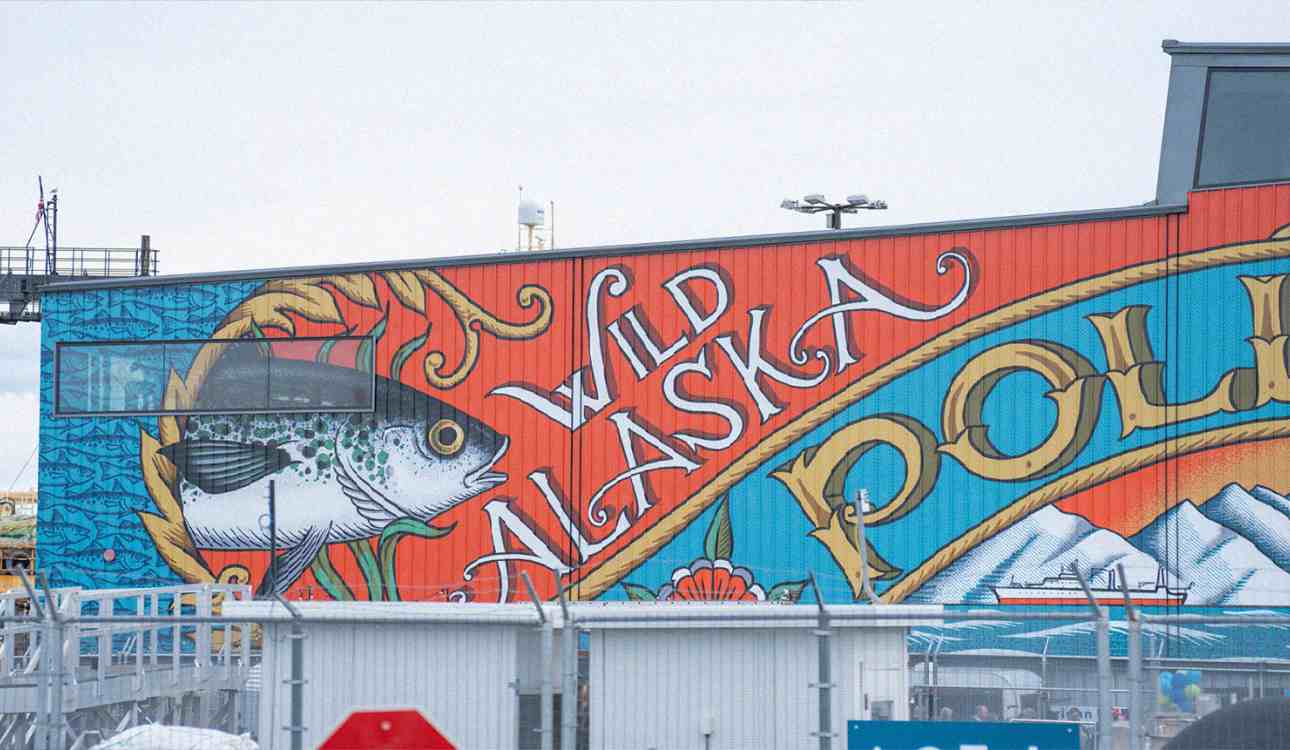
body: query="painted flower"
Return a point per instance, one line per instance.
(712, 580)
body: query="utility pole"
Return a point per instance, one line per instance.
(49, 217)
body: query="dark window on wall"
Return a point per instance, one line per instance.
(307, 374)
(530, 724)
(1245, 136)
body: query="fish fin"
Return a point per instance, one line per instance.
(370, 505)
(218, 466)
(293, 562)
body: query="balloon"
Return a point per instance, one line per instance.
(1194, 676)
(1192, 692)
(1163, 701)
(1166, 682)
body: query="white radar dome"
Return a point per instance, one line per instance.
(532, 213)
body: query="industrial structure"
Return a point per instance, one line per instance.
(693, 420)
(17, 536)
(24, 270)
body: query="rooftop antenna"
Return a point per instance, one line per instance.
(47, 214)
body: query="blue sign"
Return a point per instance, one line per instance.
(961, 735)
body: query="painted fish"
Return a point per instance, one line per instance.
(338, 477)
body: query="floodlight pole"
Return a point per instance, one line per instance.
(569, 672)
(862, 546)
(824, 677)
(273, 535)
(547, 712)
(297, 681)
(1104, 684)
(1135, 662)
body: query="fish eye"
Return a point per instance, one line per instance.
(446, 437)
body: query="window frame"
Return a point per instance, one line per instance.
(1204, 115)
(59, 412)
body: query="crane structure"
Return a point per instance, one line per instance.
(24, 270)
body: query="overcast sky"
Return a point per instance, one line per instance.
(254, 135)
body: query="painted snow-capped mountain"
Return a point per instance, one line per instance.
(1232, 550)
(1261, 516)
(1220, 566)
(1043, 545)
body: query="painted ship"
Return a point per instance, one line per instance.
(1065, 589)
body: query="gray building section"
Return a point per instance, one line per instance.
(1185, 110)
(675, 676)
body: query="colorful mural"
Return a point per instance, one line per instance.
(1015, 400)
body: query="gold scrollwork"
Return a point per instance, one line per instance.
(410, 287)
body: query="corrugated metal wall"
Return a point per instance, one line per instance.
(474, 336)
(751, 687)
(458, 676)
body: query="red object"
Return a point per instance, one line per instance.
(386, 730)
(1109, 601)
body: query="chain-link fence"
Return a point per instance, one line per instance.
(206, 667)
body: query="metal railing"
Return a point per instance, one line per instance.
(68, 656)
(80, 262)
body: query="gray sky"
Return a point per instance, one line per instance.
(254, 135)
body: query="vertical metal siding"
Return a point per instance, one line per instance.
(653, 687)
(1013, 265)
(457, 676)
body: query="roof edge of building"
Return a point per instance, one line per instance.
(641, 248)
(1175, 47)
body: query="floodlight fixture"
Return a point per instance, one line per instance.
(815, 203)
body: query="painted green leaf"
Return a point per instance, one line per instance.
(329, 579)
(367, 565)
(638, 593)
(390, 537)
(324, 351)
(405, 352)
(258, 333)
(788, 592)
(719, 542)
(366, 359)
